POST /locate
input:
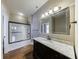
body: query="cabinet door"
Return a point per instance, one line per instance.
(39, 50)
(43, 52)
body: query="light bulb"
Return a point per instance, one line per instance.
(50, 12)
(46, 14)
(56, 8)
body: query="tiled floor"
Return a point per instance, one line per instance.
(22, 53)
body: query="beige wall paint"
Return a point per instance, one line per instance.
(21, 19)
(17, 18)
(69, 39)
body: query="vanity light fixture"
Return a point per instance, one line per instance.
(56, 8)
(46, 13)
(50, 12)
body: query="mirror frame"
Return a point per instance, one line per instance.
(67, 10)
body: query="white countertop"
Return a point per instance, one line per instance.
(62, 48)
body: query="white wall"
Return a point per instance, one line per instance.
(8, 47)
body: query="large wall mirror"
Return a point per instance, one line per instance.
(61, 22)
(58, 23)
(18, 32)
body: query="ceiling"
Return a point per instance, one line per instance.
(27, 7)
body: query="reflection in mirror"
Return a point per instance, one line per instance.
(61, 22)
(45, 28)
(46, 25)
(57, 23)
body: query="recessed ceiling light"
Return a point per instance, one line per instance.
(46, 14)
(56, 8)
(20, 13)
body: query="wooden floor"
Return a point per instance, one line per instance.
(21, 53)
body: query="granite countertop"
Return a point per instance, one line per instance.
(62, 48)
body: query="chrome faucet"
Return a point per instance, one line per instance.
(48, 37)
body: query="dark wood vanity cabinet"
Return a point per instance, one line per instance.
(43, 52)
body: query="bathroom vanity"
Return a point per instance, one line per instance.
(57, 26)
(46, 49)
